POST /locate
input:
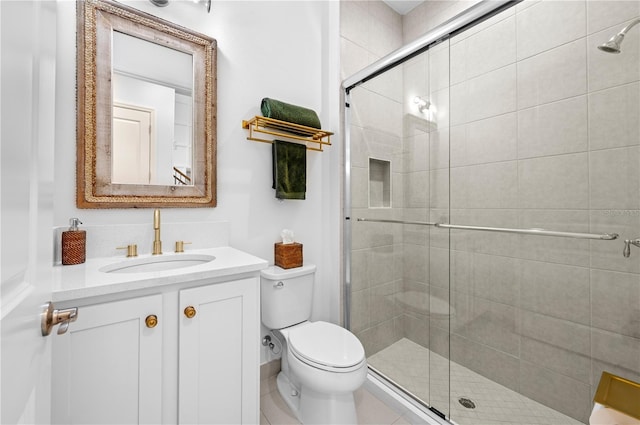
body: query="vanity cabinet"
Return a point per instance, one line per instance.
(198, 364)
(106, 367)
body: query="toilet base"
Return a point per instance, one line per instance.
(312, 407)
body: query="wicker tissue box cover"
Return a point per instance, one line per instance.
(289, 255)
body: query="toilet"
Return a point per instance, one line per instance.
(322, 363)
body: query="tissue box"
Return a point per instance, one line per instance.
(288, 255)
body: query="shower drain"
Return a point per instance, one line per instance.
(467, 402)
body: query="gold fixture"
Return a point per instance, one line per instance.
(619, 394)
(288, 130)
(51, 317)
(132, 250)
(180, 245)
(151, 321)
(157, 243)
(190, 312)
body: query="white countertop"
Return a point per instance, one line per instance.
(86, 280)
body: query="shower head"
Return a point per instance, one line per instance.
(613, 45)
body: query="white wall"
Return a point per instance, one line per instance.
(284, 50)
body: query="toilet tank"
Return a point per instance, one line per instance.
(286, 295)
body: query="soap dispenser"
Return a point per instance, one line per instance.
(74, 243)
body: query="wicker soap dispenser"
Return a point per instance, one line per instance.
(74, 243)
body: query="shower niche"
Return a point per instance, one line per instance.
(379, 183)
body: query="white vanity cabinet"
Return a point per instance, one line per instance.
(199, 364)
(106, 368)
(219, 354)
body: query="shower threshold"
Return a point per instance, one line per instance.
(429, 377)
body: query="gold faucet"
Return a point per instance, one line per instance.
(157, 243)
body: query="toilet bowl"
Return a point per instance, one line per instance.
(322, 363)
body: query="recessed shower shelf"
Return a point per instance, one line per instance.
(287, 130)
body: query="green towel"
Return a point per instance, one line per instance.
(289, 169)
(278, 110)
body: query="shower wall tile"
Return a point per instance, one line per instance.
(559, 392)
(416, 263)
(613, 117)
(417, 152)
(359, 187)
(477, 54)
(382, 13)
(439, 149)
(495, 365)
(607, 255)
(416, 193)
(397, 190)
(439, 188)
(461, 274)
(553, 75)
(414, 328)
(352, 25)
(382, 265)
(485, 186)
(439, 67)
(360, 308)
(602, 14)
(440, 114)
(496, 278)
(380, 336)
(556, 332)
(608, 70)
(616, 349)
(492, 243)
(615, 179)
(555, 182)
(489, 323)
(353, 58)
(559, 360)
(490, 140)
(359, 150)
(575, 252)
(388, 84)
(438, 261)
(383, 38)
(383, 302)
(469, 98)
(549, 24)
(505, 14)
(415, 234)
(555, 290)
(553, 129)
(615, 302)
(360, 262)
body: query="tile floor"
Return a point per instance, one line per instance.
(410, 365)
(370, 410)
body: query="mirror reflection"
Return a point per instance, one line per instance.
(152, 128)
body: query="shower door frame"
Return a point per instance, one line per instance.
(461, 22)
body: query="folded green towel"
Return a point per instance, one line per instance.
(289, 169)
(278, 110)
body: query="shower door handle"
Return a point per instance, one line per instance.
(627, 246)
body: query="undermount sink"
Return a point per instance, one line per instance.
(157, 263)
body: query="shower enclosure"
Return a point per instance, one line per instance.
(492, 175)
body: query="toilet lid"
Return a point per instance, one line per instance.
(326, 344)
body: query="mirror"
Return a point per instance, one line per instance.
(146, 119)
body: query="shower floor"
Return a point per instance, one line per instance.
(409, 364)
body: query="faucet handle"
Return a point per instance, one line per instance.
(180, 245)
(132, 250)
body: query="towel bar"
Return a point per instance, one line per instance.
(287, 130)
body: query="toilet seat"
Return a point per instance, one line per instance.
(326, 346)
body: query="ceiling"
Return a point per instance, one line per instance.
(403, 6)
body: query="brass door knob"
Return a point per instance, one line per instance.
(190, 312)
(151, 321)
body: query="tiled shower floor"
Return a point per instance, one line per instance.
(409, 364)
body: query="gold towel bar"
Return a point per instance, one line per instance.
(286, 130)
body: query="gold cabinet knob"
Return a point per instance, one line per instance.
(151, 321)
(190, 312)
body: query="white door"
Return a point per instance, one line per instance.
(219, 354)
(132, 150)
(27, 122)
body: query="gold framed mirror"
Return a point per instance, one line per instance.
(146, 110)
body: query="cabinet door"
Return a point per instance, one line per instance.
(219, 354)
(106, 368)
